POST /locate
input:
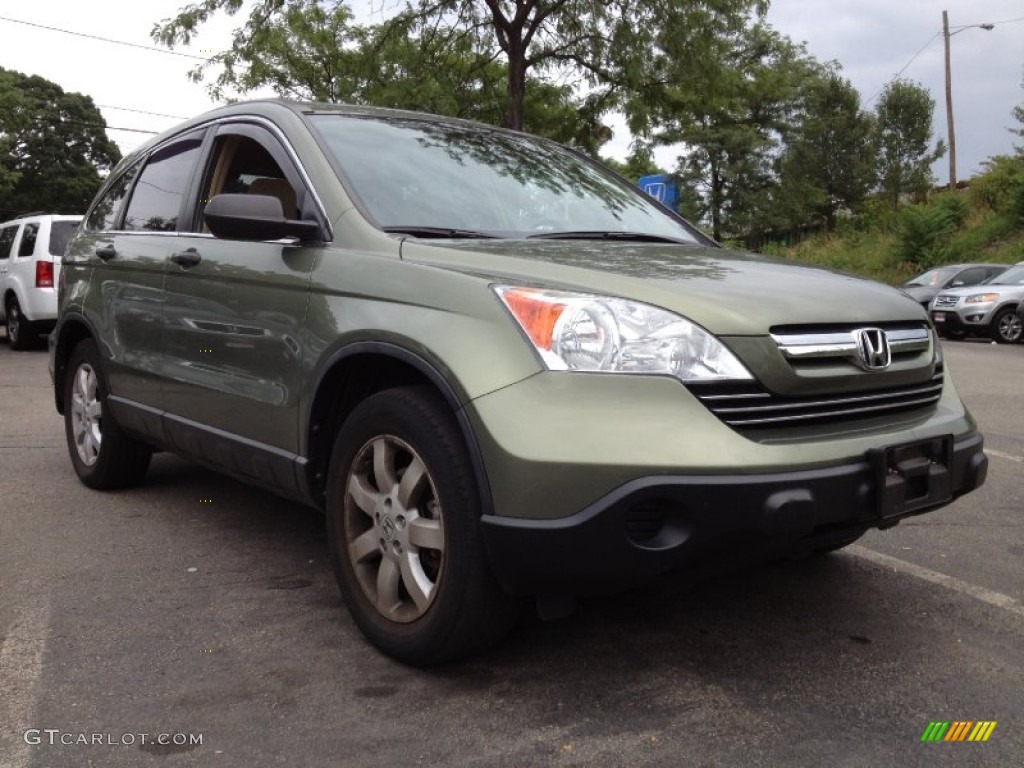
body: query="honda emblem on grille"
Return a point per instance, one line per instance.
(873, 353)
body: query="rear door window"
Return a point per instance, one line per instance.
(27, 246)
(156, 200)
(971, 276)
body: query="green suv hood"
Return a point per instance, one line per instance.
(728, 293)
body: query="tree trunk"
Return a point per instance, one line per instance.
(716, 201)
(516, 86)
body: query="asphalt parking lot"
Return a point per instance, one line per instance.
(197, 606)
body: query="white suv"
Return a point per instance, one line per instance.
(31, 248)
(986, 309)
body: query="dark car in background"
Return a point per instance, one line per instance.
(927, 285)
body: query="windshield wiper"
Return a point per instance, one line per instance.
(439, 232)
(636, 237)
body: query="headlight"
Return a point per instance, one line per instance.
(980, 298)
(580, 332)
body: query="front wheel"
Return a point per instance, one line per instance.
(403, 528)
(1006, 326)
(103, 456)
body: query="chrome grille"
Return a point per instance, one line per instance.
(843, 344)
(751, 406)
(945, 302)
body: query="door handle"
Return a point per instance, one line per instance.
(106, 252)
(187, 258)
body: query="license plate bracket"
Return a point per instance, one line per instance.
(912, 476)
(938, 317)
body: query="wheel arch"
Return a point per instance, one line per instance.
(1007, 308)
(72, 329)
(350, 375)
(10, 293)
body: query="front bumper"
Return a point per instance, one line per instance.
(657, 524)
(974, 318)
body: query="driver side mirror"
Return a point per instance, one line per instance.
(255, 217)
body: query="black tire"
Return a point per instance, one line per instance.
(1006, 326)
(20, 332)
(108, 457)
(458, 608)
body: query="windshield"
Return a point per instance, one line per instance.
(464, 180)
(1014, 276)
(932, 277)
(60, 236)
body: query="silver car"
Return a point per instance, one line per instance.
(989, 309)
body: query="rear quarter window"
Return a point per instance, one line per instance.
(104, 213)
(7, 240)
(60, 236)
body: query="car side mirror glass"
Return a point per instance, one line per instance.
(255, 217)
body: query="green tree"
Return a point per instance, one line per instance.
(732, 119)
(829, 162)
(310, 51)
(904, 133)
(607, 45)
(1018, 115)
(53, 146)
(639, 162)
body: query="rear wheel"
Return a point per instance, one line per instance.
(103, 456)
(1006, 326)
(20, 333)
(403, 517)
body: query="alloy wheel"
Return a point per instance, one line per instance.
(394, 530)
(86, 413)
(1010, 327)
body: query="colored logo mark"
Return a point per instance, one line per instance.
(959, 730)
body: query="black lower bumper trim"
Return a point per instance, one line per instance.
(657, 524)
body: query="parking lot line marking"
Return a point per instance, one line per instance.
(1001, 455)
(998, 599)
(21, 662)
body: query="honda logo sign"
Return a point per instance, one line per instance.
(873, 353)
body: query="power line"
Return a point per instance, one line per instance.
(141, 111)
(102, 125)
(905, 66)
(103, 39)
(115, 128)
(1004, 21)
(930, 39)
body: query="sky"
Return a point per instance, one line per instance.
(873, 40)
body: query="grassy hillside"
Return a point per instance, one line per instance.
(983, 223)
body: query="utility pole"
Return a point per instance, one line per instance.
(949, 107)
(946, 34)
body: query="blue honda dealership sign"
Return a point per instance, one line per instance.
(660, 188)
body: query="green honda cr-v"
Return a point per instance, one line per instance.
(500, 369)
